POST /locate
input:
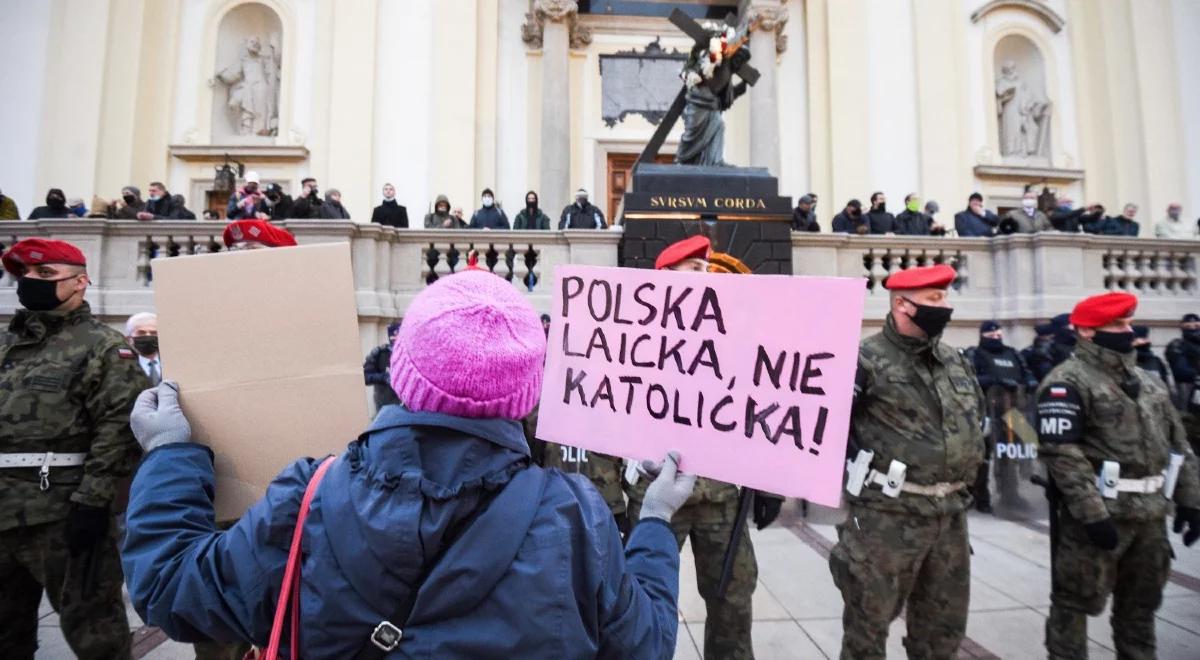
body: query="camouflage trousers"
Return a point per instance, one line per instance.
(33, 559)
(708, 525)
(884, 561)
(1084, 576)
(221, 650)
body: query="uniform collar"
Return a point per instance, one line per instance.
(29, 324)
(910, 345)
(1105, 359)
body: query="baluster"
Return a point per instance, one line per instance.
(432, 257)
(510, 256)
(531, 260)
(452, 258)
(491, 258)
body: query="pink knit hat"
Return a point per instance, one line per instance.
(470, 346)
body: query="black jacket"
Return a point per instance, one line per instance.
(48, 212)
(333, 210)
(307, 208)
(1147, 360)
(881, 222)
(967, 224)
(375, 373)
(912, 223)
(587, 216)
(281, 210)
(390, 213)
(844, 224)
(1004, 367)
(804, 221)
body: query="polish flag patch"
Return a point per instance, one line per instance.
(1058, 392)
(125, 353)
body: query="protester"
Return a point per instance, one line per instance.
(441, 218)
(255, 235)
(436, 498)
(804, 218)
(851, 220)
(975, 221)
(488, 216)
(243, 203)
(708, 517)
(1106, 432)
(1005, 380)
(390, 212)
(878, 218)
(158, 206)
(1028, 219)
(531, 217)
(77, 208)
(1066, 219)
(582, 214)
(376, 366)
(141, 333)
(129, 205)
(1121, 225)
(1146, 359)
(917, 424)
(910, 221)
(56, 206)
(307, 206)
(1173, 225)
(331, 208)
(8, 208)
(275, 204)
(931, 210)
(68, 383)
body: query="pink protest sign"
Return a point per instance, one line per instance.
(750, 377)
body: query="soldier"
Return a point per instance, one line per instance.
(1099, 414)
(1146, 359)
(917, 441)
(708, 520)
(67, 385)
(1004, 379)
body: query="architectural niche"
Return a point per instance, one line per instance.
(554, 11)
(1023, 108)
(1038, 9)
(247, 75)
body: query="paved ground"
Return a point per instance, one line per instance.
(797, 610)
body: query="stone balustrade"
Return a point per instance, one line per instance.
(1017, 280)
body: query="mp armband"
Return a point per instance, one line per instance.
(1060, 414)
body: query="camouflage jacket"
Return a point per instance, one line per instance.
(1086, 417)
(917, 401)
(67, 384)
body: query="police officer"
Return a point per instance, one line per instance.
(1004, 379)
(917, 441)
(708, 519)
(1146, 359)
(67, 385)
(376, 369)
(1116, 452)
(1183, 355)
(1037, 355)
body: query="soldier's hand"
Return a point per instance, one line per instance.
(86, 526)
(1187, 516)
(766, 509)
(668, 491)
(157, 419)
(1102, 534)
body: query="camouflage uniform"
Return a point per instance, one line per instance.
(67, 384)
(707, 519)
(917, 402)
(1087, 417)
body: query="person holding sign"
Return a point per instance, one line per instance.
(1099, 414)
(432, 535)
(709, 516)
(917, 439)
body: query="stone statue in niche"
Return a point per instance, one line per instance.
(254, 88)
(1024, 116)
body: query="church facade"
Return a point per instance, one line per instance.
(1098, 100)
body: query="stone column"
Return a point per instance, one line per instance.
(551, 25)
(767, 42)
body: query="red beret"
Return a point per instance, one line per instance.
(693, 247)
(1103, 309)
(925, 277)
(35, 251)
(259, 231)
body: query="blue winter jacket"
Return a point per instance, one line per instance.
(540, 573)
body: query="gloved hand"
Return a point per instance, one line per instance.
(766, 509)
(157, 419)
(1186, 515)
(1102, 534)
(668, 491)
(86, 526)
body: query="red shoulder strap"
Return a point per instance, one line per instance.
(290, 593)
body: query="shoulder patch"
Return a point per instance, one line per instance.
(1060, 413)
(126, 353)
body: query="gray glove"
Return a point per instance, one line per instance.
(157, 419)
(668, 491)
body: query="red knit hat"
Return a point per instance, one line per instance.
(259, 231)
(1103, 309)
(925, 277)
(693, 247)
(37, 251)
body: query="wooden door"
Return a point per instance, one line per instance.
(620, 178)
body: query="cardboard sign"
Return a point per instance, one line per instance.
(265, 347)
(750, 377)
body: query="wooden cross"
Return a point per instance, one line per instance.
(701, 36)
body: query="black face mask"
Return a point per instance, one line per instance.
(991, 344)
(1192, 335)
(147, 345)
(882, 207)
(1121, 342)
(38, 295)
(1065, 336)
(55, 201)
(129, 199)
(931, 319)
(532, 206)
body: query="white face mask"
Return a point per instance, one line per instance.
(1028, 204)
(487, 202)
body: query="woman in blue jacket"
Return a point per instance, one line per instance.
(507, 560)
